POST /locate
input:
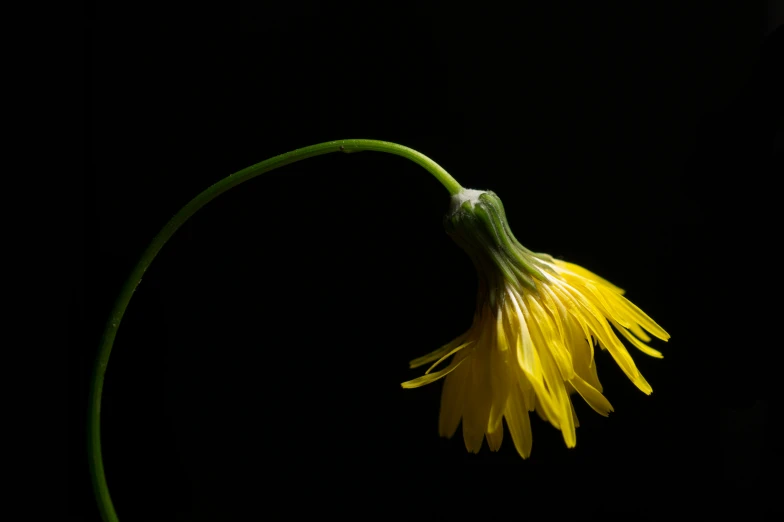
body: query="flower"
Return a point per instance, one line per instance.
(531, 343)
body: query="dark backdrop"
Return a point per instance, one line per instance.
(256, 373)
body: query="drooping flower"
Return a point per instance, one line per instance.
(531, 344)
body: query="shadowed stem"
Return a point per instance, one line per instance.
(100, 487)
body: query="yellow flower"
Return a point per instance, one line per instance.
(531, 344)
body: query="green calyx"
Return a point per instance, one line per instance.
(477, 223)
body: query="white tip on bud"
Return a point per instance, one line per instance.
(470, 195)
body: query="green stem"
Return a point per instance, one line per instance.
(94, 415)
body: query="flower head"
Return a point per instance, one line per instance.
(531, 344)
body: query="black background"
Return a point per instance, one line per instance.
(257, 369)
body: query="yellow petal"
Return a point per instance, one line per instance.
(494, 438)
(529, 394)
(521, 334)
(573, 309)
(625, 361)
(452, 402)
(556, 309)
(600, 328)
(613, 307)
(579, 347)
(587, 274)
(644, 348)
(442, 359)
(551, 395)
(620, 318)
(639, 332)
(642, 318)
(544, 415)
(437, 354)
(574, 416)
(519, 424)
(540, 370)
(499, 380)
(595, 295)
(568, 428)
(553, 340)
(432, 377)
(477, 398)
(592, 396)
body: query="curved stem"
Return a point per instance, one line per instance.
(100, 487)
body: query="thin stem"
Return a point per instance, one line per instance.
(431, 166)
(100, 487)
